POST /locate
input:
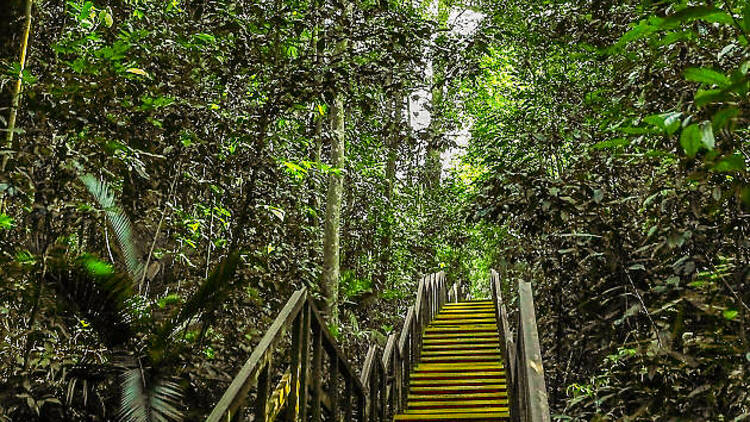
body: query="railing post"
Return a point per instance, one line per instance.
(292, 407)
(334, 385)
(348, 399)
(383, 385)
(362, 406)
(535, 394)
(398, 362)
(305, 360)
(317, 351)
(264, 392)
(373, 385)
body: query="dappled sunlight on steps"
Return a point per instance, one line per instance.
(460, 375)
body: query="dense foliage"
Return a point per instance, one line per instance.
(615, 137)
(166, 185)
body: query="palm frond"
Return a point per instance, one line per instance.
(199, 307)
(120, 224)
(92, 291)
(146, 399)
(213, 291)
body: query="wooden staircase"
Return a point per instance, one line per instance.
(460, 375)
(451, 361)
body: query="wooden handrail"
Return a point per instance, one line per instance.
(386, 376)
(310, 341)
(378, 393)
(527, 389)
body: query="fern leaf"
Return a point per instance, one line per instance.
(120, 224)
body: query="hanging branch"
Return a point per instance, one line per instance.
(19, 82)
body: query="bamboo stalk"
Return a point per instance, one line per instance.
(19, 82)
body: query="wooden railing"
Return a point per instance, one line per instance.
(301, 394)
(386, 375)
(527, 390)
(304, 379)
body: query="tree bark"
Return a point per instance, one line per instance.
(329, 283)
(15, 102)
(433, 164)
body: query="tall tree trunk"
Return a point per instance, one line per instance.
(433, 164)
(329, 283)
(395, 112)
(15, 102)
(394, 138)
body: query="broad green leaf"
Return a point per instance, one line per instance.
(722, 117)
(98, 268)
(707, 76)
(690, 140)
(611, 143)
(206, 38)
(730, 314)
(731, 163)
(136, 71)
(6, 222)
(707, 135)
(703, 97)
(642, 30)
(667, 122)
(707, 13)
(634, 130)
(106, 17)
(746, 17)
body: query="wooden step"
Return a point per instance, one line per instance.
(460, 375)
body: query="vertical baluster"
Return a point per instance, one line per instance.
(348, 399)
(416, 337)
(292, 406)
(362, 406)
(383, 375)
(334, 385)
(305, 361)
(264, 392)
(374, 394)
(317, 358)
(398, 362)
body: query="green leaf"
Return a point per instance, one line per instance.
(6, 222)
(206, 38)
(642, 30)
(746, 17)
(136, 71)
(105, 17)
(707, 13)
(722, 117)
(730, 314)
(690, 140)
(707, 135)
(703, 97)
(611, 143)
(667, 122)
(734, 162)
(98, 268)
(707, 76)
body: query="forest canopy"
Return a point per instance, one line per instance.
(172, 171)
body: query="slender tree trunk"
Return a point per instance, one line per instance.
(316, 121)
(433, 164)
(329, 283)
(394, 137)
(19, 83)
